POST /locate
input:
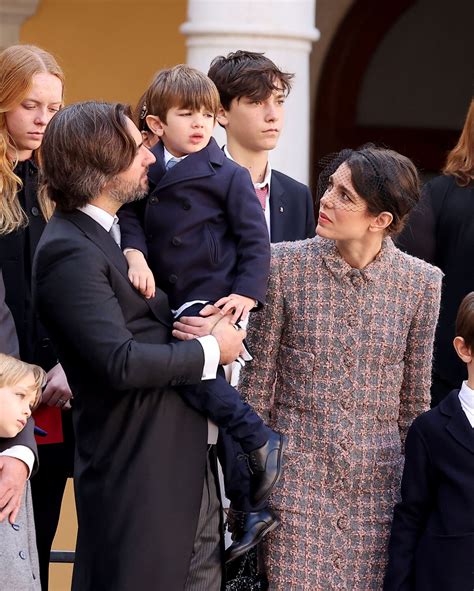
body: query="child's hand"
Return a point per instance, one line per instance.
(140, 274)
(240, 305)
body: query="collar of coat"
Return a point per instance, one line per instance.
(457, 425)
(340, 269)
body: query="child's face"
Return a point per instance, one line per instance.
(16, 403)
(255, 125)
(185, 131)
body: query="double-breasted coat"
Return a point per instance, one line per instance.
(342, 362)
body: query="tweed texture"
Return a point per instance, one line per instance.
(342, 364)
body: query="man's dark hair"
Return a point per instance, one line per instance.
(84, 147)
(249, 74)
(465, 321)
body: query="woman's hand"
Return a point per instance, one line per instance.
(57, 391)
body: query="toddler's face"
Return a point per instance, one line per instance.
(16, 403)
(186, 131)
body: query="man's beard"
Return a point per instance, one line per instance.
(126, 191)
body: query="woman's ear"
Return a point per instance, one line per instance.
(463, 351)
(381, 222)
(155, 124)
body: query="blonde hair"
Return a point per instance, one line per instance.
(460, 161)
(13, 370)
(183, 87)
(18, 65)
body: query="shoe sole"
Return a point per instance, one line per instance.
(284, 445)
(257, 541)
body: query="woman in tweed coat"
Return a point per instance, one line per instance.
(342, 360)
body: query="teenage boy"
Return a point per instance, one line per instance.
(201, 236)
(252, 91)
(432, 540)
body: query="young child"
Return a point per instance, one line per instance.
(201, 235)
(432, 541)
(20, 392)
(253, 92)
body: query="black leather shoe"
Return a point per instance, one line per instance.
(265, 465)
(248, 530)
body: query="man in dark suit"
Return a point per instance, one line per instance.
(147, 507)
(252, 90)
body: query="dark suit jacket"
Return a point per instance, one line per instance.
(201, 228)
(432, 542)
(141, 451)
(441, 231)
(291, 209)
(8, 338)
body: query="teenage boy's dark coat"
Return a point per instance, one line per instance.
(291, 209)
(202, 227)
(141, 450)
(432, 540)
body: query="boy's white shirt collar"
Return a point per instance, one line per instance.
(167, 156)
(268, 172)
(466, 398)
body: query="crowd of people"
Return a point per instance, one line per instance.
(146, 269)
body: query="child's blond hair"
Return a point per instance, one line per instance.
(13, 370)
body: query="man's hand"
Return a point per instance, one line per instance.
(140, 273)
(239, 304)
(229, 337)
(13, 475)
(57, 391)
(190, 327)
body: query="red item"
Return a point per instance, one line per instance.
(262, 196)
(49, 419)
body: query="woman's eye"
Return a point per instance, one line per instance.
(20, 394)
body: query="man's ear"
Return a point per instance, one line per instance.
(381, 221)
(155, 124)
(222, 117)
(463, 351)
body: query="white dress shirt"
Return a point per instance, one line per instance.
(466, 398)
(266, 181)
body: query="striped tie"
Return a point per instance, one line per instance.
(262, 196)
(172, 162)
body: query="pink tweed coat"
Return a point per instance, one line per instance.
(342, 364)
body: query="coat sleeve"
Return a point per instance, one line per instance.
(8, 337)
(411, 514)
(131, 218)
(80, 308)
(415, 390)
(247, 223)
(26, 438)
(264, 335)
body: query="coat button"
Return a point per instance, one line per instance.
(22, 555)
(186, 205)
(153, 200)
(15, 526)
(35, 211)
(176, 241)
(45, 342)
(337, 561)
(173, 278)
(342, 522)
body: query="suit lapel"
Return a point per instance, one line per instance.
(458, 426)
(278, 209)
(103, 240)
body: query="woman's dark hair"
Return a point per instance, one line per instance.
(385, 179)
(84, 147)
(465, 321)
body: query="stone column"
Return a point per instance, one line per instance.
(284, 30)
(13, 13)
